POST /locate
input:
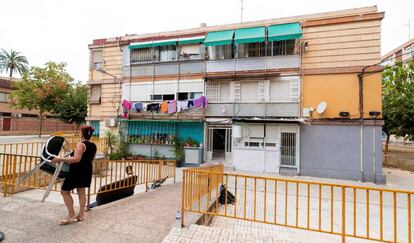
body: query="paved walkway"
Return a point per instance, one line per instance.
(145, 217)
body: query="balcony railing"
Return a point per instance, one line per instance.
(166, 68)
(254, 63)
(253, 109)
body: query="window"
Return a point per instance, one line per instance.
(141, 55)
(288, 148)
(167, 53)
(161, 97)
(251, 50)
(191, 52)
(97, 59)
(95, 97)
(29, 115)
(4, 97)
(189, 95)
(284, 47)
(220, 52)
(249, 91)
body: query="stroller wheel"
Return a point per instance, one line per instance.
(1, 236)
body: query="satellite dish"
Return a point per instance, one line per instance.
(321, 107)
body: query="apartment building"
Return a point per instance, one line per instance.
(403, 53)
(284, 95)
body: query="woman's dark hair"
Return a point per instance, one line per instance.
(87, 132)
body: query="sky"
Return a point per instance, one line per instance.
(57, 30)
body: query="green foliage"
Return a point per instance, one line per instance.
(12, 62)
(398, 100)
(73, 108)
(178, 148)
(42, 89)
(112, 140)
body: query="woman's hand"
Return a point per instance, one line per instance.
(55, 160)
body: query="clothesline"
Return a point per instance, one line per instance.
(170, 107)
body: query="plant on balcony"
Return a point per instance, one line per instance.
(178, 148)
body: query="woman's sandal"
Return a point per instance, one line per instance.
(68, 221)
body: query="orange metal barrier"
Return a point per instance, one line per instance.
(371, 213)
(104, 172)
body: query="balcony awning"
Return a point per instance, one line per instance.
(224, 37)
(284, 32)
(250, 35)
(191, 40)
(146, 44)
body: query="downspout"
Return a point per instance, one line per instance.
(361, 117)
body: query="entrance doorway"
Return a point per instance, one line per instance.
(219, 144)
(6, 124)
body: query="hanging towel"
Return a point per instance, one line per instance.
(172, 107)
(182, 105)
(164, 107)
(133, 107)
(198, 102)
(126, 104)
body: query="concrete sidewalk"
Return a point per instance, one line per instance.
(145, 217)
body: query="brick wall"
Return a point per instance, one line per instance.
(32, 124)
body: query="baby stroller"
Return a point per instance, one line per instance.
(54, 146)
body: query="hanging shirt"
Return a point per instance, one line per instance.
(182, 105)
(126, 104)
(190, 104)
(138, 107)
(172, 107)
(153, 107)
(164, 107)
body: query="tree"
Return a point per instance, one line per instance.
(42, 89)
(73, 108)
(12, 62)
(398, 100)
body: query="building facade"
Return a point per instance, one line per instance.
(285, 95)
(23, 121)
(403, 53)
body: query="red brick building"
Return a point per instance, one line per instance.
(22, 121)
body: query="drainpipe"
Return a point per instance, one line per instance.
(374, 161)
(361, 117)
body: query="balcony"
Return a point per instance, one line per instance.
(191, 114)
(253, 109)
(197, 66)
(254, 63)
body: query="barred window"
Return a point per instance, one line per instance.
(141, 55)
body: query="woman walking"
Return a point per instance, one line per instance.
(79, 176)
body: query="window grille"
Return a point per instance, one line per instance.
(288, 148)
(294, 89)
(213, 91)
(141, 55)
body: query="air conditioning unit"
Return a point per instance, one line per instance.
(111, 122)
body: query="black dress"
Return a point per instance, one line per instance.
(80, 174)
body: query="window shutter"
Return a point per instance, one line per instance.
(294, 89)
(263, 90)
(235, 91)
(213, 91)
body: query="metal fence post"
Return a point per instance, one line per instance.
(183, 198)
(146, 177)
(160, 163)
(343, 214)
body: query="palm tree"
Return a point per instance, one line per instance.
(12, 62)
